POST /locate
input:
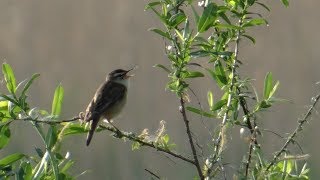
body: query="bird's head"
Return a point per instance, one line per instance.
(119, 75)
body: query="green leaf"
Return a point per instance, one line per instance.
(210, 99)
(179, 35)
(267, 85)
(219, 105)
(27, 86)
(255, 22)
(220, 73)
(162, 67)
(264, 6)
(11, 159)
(160, 32)
(194, 74)
(200, 112)
(274, 89)
(228, 26)
(57, 101)
(207, 18)
(177, 19)
(285, 2)
(135, 146)
(74, 129)
(165, 138)
(25, 171)
(4, 135)
(51, 137)
(10, 99)
(9, 78)
(250, 38)
(67, 166)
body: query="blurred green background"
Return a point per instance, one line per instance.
(78, 42)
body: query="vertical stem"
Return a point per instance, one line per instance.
(193, 149)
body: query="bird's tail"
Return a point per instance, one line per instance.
(94, 124)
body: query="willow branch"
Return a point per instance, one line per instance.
(295, 132)
(193, 149)
(134, 138)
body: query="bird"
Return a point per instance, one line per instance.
(108, 101)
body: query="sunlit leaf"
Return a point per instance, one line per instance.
(57, 101)
(267, 85)
(9, 78)
(8, 160)
(210, 99)
(219, 105)
(4, 135)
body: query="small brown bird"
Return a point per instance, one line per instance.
(108, 101)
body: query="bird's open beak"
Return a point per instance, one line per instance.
(130, 75)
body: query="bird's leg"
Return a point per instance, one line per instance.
(110, 122)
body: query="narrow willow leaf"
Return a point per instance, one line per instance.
(67, 166)
(227, 26)
(57, 101)
(177, 19)
(10, 159)
(264, 6)
(51, 137)
(194, 74)
(219, 105)
(274, 89)
(207, 18)
(267, 85)
(160, 32)
(9, 78)
(250, 38)
(210, 99)
(220, 73)
(200, 112)
(254, 22)
(4, 135)
(179, 35)
(162, 67)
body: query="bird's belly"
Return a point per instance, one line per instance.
(115, 109)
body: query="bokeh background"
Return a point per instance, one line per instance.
(77, 43)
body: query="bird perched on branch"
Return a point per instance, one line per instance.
(108, 101)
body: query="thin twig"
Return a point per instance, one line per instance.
(193, 149)
(295, 132)
(152, 173)
(132, 137)
(48, 121)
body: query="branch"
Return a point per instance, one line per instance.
(193, 149)
(295, 132)
(132, 137)
(47, 121)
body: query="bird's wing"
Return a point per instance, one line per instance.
(106, 95)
